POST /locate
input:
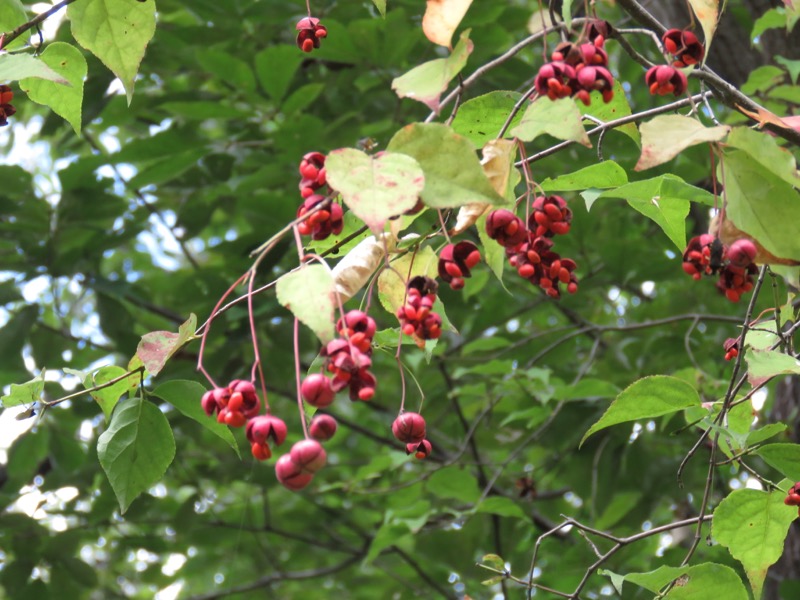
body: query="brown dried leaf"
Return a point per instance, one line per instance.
(442, 18)
(762, 116)
(354, 270)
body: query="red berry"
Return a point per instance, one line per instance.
(322, 428)
(409, 428)
(290, 475)
(316, 390)
(308, 455)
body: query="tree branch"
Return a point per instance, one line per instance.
(7, 38)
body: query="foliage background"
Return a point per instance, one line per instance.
(150, 213)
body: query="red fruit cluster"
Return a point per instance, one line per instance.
(731, 346)
(455, 262)
(260, 431)
(421, 450)
(349, 359)
(328, 217)
(664, 79)
(312, 171)
(410, 429)
(529, 249)
(309, 33)
(234, 404)
(793, 496)
(6, 108)
(576, 70)
(684, 46)
(296, 469)
(416, 316)
(707, 255)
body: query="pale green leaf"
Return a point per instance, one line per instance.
(375, 188)
(136, 449)
(185, 396)
(427, 81)
(666, 136)
(454, 483)
(480, 119)
(762, 205)
(645, 399)
(753, 525)
(65, 100)
(764, 149)
(115, 31)
(611, 111)
(764, 364)
(707, 580)
(381, 6)
(275, 67)
(606, 174)
(24, 394)
(12, 14)
(309, 293)
(453, 173)
(783, 457)
(108, 397)
(560, 119)
(14, 67)
(502, 506)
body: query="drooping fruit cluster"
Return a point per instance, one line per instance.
(6, 108)
(793, 496)
(529, 249)
(455, 262)
(325, 217)
(416, 316)
(348, 359)
(731, 346)
(665, 79)
(234, 404)
(296, 469)
(410, 429)
(260, 431)
(309, 33)
(577, 70)
(706, 255)
(684, 46)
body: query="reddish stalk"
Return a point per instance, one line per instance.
(296, 338)
(208, 328)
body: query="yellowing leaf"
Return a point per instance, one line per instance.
(375, 188)
(427, 81)
(442, 18)
(156, 347)
(707, 12)
(664, 137)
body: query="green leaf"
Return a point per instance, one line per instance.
(480, 119)
(227, 68)
(666, 136)
(707, 12)
(647, 398)
(793, 66)
(156, 347)
(606, 174)
(772, 19)
(13, 336)
(560, 119)
(14, 67)
(707, 580)
(611, 111)
(665, 200)
(783, 457)
(389, 534)
(24, 394)
(454, 483)
(764, 149)
(753, 525)
(392, 288)
(108, 397)
(566, 13)
(115, 31)
(275, 68)
(136, 449)
(502, 506)
(427, 81)
(185, 396)
(310, 294)
(494, 255)
(12, 14)
(381, 6)
(66, 101)
(621, 504)
(762, 205)
(587, 388)
(453, 174)
(764, 433)
(375, 188)
(494, 561)
(765, 364)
